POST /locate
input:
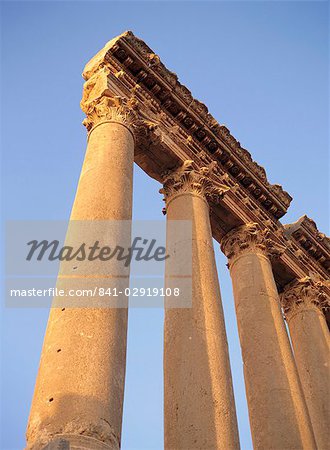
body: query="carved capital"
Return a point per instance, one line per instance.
(111, 109)
(306, 293)
(101, 105)
(249, 238)
(188, 179)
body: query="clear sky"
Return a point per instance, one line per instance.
(262, 69)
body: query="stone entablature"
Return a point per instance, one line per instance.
(304, 294)
(316, 244)
(192, 116)
(171, 128)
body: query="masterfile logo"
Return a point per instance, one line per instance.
(98, 263)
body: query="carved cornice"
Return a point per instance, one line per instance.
(249, 238)
(306, 293)
(189, 179)
(315, 243)
(176, 101)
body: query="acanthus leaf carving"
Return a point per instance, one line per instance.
(305, 293)
(189, 179)
(101, 105)
(111, 109)
(250, 238)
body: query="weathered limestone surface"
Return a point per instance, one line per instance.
(303, 302)
(199, 402)
(80, 385)
(278, 413)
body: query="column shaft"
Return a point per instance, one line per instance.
(80, 384)
(199, 401)
(277, 408)
(310, 340)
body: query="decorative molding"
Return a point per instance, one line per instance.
(250, 238)
(189, 179)
(180, 128)
(145, 67)
(305, 293)
(315, 243)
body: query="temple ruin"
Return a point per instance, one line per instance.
(137, 111)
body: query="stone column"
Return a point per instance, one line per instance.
(277, 409)
(79, 390)
(199, 402)
(303, 302)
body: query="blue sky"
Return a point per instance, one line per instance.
(260, 67)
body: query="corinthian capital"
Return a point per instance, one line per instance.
(302, 294)
(111, 109)
(100, 104)
(188, 179)
(249, 238)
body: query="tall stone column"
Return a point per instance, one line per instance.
(302, 302)
(277, 409)
(78, 396)
(199, 402)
